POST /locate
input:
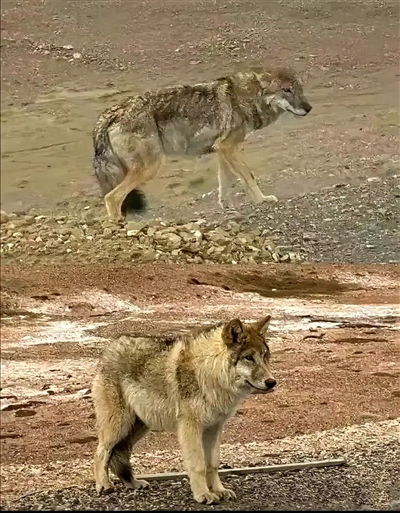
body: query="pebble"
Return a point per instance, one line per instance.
(4, 217)
(25, 413)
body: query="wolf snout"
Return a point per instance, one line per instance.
(270, 383)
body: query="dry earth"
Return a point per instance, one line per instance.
(334, 335)
(335, 355)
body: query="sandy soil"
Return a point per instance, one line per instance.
(50, 100)
(334, 335)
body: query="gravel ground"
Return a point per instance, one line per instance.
(342, 224)
(369, 480)
(88, 238)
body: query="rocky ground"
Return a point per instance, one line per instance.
(347, 223)
(340, 223)
(351, 487)
(72, 280)
(89, 238)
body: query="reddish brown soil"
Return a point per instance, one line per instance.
(329, 377)
(330, 374)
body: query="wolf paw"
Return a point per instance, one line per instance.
(227, 206)
(206, 498)
(137, 484)
(103, 488)
(270, 199)
(225, 494)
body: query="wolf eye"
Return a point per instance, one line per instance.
(249, 358)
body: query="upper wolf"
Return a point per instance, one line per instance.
(131, 139)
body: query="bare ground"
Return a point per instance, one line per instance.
(334, 343)
(334, 337)
(347, 54)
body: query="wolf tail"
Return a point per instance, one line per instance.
(110, 170)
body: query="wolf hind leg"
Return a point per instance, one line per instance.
(120, 458)
(114, 424)
(135, 177)
(109, 172)
(142, 159)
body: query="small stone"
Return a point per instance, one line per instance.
(148, 255)
(309, 236)
(107, 233)
(67, 47)
(84, 391)
(174, 241)
(136, 226)
(84, 439)
(25, 413)
(4, 217)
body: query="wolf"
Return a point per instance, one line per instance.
(190, 386)
(132, 139)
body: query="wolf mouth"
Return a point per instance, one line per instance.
(256, 388)
(299, 115)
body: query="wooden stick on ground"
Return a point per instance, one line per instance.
(250, 470)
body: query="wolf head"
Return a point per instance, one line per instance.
(250, 354)
(283, 92)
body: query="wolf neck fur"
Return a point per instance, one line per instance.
(215, 372)
(261, 112)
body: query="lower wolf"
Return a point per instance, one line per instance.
(190, 386)
(131, 139)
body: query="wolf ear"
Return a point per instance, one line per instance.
(269, 83)
(262, 325)
(265, 80)
(233, 332)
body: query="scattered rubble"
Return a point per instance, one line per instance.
(91, 238)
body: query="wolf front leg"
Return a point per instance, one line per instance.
(190, 438)
(211, 443)
(241, 169)
(225, 181)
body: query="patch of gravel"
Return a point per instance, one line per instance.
(90, 237)
(343, 224)
(369, 481)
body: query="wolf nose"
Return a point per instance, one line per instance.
(270, 383)
(307, 108)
